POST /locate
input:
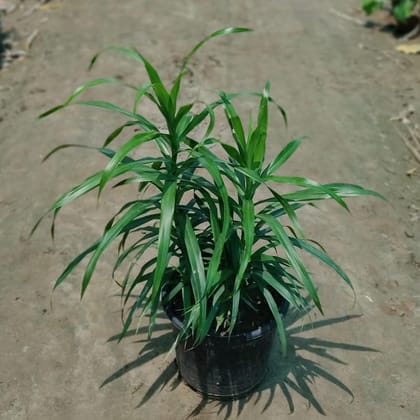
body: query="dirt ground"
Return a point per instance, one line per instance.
(341, 84)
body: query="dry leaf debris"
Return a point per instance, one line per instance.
(408, 48)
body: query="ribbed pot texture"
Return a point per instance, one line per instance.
(224, 367)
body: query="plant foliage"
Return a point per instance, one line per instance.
(215, 245)
(401, 9)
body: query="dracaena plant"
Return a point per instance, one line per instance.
(216, 248)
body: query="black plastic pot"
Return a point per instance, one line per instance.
(223, 367)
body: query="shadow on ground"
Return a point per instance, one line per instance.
(4, 44)
(407, 30)
(293, 374)
(162, 341)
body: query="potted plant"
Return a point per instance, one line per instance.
(405, 13)
(225, 263)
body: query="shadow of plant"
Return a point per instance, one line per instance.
(293, 373)
(3, 44)
(158, 346)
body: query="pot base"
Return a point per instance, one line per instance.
(225, 368)
(222, 397)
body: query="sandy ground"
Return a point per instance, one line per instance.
(340, 83)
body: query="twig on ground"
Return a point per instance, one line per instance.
(405, 114)
(412, 171)
(31, 39)
(415, 136)
(31, 10)
(412, 141)
(347, 17)
(41, 5)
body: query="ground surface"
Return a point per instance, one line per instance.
(340, 82)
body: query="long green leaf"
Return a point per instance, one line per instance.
(251, 174)
(91, 183)
(343, 190)
(351, 190)
(142, 277)
(224, 31)
(198, 276)
(139, 246)
(115, 133)
(127, 147)
(87, 185)
(75, 262)
(143, 122)
(278, 318)
(293, 257)
(257, 140)
(235, 125)
(198, 279)
(135, 210)
(215, 306)
(135, 307)
(231, 151)
(78, 91)
(158, 86)
(248, 226)
(322, 256)
(305, 182)
(139, 94)
(283, 156)
(183, 110)
(289, 210)
(129, 52)
(165, 228)
(66, 146)
(173, 95)
(278, 286)
(213, 268)
(208, 202)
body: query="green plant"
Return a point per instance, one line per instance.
(401, 9)
(216, 246)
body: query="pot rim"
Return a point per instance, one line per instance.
(249, 335)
